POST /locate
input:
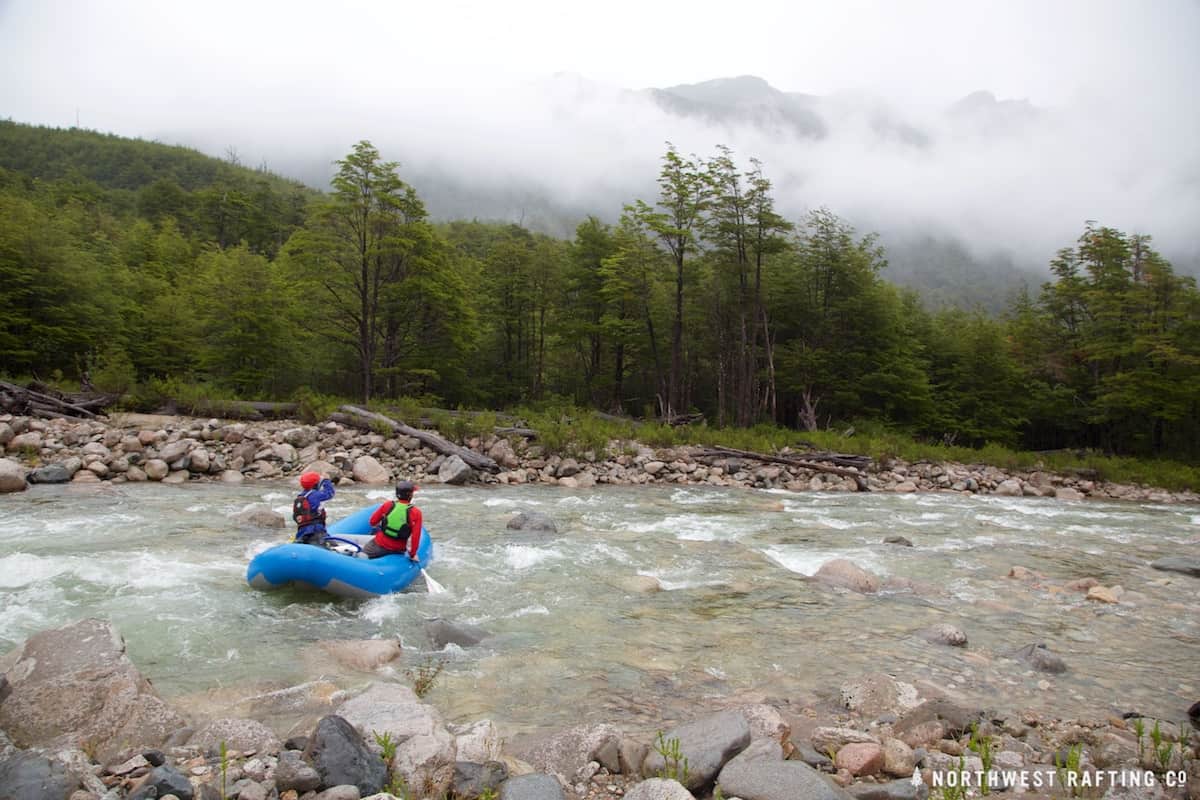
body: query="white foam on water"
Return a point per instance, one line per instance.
(574, 501)
(1002, 522)
(520, 556)
(805, 561)
(232, 654)
(716, 672)
(496, 502)
(270, 497)
(602, 551)
(528, 611)
(675, 580)
(1196, 519)
(691, 497)
(689, 527)
(837, 524)
(22, 569)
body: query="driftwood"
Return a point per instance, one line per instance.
(252, 411)
(810, 462)
(21, 400)
(361, 418)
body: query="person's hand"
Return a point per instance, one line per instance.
(414, 559)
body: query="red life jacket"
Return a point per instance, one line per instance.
(303, 514)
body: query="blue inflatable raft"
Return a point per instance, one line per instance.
(334, 568)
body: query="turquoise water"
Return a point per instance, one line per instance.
(574, 639)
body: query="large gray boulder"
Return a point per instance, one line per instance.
(236, 734)
(535, 786)
(531, 521)
(1183, 564)
(425, 754)
(12, 476)
(1040, 658)
(707, 744)
(847, 575)
(443, 632)
(76, 685)
(771, 779)
(341, 757)
(566, 752)
(454, 471)
(51, 473)
(31, 776)
(368, 470)
(659, 789)
(162, 781)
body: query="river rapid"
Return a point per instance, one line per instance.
(574, 639)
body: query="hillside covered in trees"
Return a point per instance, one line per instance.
(144, 268)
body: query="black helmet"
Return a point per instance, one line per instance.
(405, 488)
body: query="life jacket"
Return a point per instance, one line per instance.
(396, 525)
(303, 514)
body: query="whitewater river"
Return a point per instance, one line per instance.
(572, 640)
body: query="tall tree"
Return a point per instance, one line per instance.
(358, 245)
(683, 198)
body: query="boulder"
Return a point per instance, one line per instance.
(892, 790)
(1067, 493)
(766, 779)
(363, 655)
(1188, 565)
(51, 473)
(425, 754)
(479, 741)
(945, 634)
(341, 757)
(502, 453)
(860, 758)
(76, 684)
(707, 744)
(442, 632)
(659, 789)
(236, 734)
(300, 437)
(173, 451)
(848, 575)
(1040, 658)
(12, 476)
(160, 782)
(293, 774)
(472, 779)
(454, 471)
(948, 719)
(261, 517)
(535, 786)
(1009, 488)
(532, 521)
(876, 694)
(367, 470)
(27, 775)
(32, 441)
(156, 469)
(566, 752)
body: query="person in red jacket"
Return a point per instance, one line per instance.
(399, 525)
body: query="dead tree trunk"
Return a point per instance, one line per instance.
(369, 420)
(859, 463)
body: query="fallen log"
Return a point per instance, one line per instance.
(18, 397)
(803, 463)
(369, 420)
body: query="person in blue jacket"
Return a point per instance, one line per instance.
(307, 511)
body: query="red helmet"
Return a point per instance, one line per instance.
(309, 480)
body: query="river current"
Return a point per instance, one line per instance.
(572, 637)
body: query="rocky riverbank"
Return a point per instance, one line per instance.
(78, 721)
(138, 448)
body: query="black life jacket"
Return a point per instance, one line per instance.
(303, 514)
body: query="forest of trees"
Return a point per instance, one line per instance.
(142, 265)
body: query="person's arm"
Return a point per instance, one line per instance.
(324, 491)
(381, 514)
(414, 535)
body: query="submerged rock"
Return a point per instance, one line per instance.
(1040, 658)
(1183, 564)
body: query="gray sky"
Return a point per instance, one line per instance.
(467, 88)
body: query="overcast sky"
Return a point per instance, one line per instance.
(467, 88)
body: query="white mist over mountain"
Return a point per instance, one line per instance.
(532, 113)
